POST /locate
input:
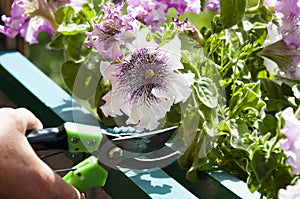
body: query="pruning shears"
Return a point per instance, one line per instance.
(116, 147)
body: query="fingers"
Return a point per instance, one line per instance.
(23, 118)
(31, 121)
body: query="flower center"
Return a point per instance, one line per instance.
(109, 28)
(149, 74)
(145, 70)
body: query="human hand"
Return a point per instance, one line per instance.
(23, 174)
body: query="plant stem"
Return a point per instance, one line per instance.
(297, 113)
(256, 8)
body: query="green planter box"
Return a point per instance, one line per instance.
(28, 87)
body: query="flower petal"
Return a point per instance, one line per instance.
(140, 40)
(113, 107)
(179, 89)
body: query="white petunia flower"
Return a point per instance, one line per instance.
(291, 191)
(146, 84)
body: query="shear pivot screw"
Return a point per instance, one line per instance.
(75, 139)
(115, 153)
(91, 142)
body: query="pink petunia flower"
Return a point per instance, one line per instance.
(111, 33)
(148, 12)
(28, 18)
(145, 84)
(288, 13)
(213, 5)
(290, 28)
(154, 12)
(291, 144)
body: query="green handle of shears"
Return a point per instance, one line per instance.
(87, 174)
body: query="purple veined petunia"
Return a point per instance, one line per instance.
(154, 12)
(148, 12)
(291, 144)
(183, 6)
(145, 84)
(289, 11)
(108, 36)
(29, 18)
(184, 26)
(285, 57)
(291, 191)
(213, 5)
(290, 27)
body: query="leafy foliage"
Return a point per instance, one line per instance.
(235, 100)
(233, 119)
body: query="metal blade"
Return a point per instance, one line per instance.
(114, 157)
(147, 134)
(145, 142)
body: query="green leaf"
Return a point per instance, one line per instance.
(192, 174)
(75, 49)
(190, 158)
(207, 92)
(83, 77)
(199, 20)
(265, 13)
(276, 104)
(274, 96)
(296, 90)
(57, 42)
(187, 158)
(232, 12)
(72, 28)
(287, 81)
(190, 119)
(172, 12)
(69, 72)
(268, 124)
(88, 11)
(271, 89)
(263, 163)
(238, 129)
(252, 182)
(63, 14)
(245, 96)
(258, 33)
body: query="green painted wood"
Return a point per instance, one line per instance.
(212, 184)
(28, 87)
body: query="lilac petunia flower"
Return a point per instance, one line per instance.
(213, 5)
(145, 84)
(149, 12)
(291, 145)
(286, 57)
(111, 33)
(183, 6)
(291, 191)
(28, 18)
(294, 72)
(290, 28)
(185, 25)
(153, 12)
(288, 12)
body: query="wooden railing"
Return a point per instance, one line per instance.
(25, 85)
